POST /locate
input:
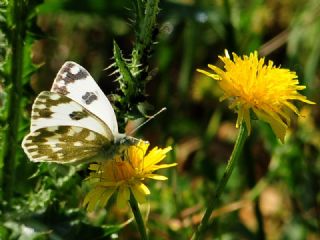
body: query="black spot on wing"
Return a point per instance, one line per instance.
(62, 90)
(71, 77)
(67, 75)
(47, 100)
(89, 97)
(78, 115)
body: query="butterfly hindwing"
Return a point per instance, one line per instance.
(65, 144)
(76, 83)
(53, 109)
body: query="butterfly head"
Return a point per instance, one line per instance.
(123, 139)
(121, 143)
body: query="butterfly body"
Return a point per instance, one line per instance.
(73, 122)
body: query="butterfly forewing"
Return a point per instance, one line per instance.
(76, 83)
(65, 144)
(53, 109)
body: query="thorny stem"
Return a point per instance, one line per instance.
(144, 35)
(134, 73)
(14, 97)
(138, 8)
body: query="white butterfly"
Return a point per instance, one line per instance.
(73, 122)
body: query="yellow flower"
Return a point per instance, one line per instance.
(125, 173)
(253, 85)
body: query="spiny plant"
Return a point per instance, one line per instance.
(134, 73)
(18, 32)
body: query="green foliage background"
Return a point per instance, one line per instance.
(274, 192)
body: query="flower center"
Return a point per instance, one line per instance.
(123, 171)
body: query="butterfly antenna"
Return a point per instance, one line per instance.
(148, 120)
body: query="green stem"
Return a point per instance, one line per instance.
(137, 215)
(222, 183)
(188, 56)
(139, 9)
(144, 35)
(14, 97)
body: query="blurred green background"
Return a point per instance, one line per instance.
(274, 192)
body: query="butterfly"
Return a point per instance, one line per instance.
(73, 122)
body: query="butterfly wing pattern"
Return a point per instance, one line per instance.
(76, 83)
(74, 122)
(64, 144)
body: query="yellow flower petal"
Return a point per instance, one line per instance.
(92, 198)
(156, 177)
(155, 156)
(123, 197)
(139, 194)
(143, 188)
(105, 197)
(156, 167)
(214, 76)
(108, 184)
(278, 127)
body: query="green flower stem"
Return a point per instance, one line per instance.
(137, 215)
(16, 9)
(221, 185)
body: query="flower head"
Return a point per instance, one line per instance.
(125, 173)
(253, 85)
